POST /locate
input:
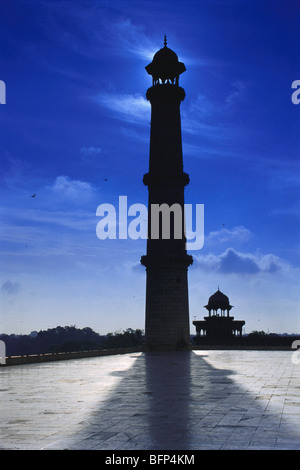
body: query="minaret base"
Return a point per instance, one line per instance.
(167, 308)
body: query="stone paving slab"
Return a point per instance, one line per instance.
(174, 400)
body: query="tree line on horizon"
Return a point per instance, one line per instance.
(69, 339)
(72, 339)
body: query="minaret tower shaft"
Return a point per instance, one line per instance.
(166, 262)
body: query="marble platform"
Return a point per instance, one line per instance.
(178, 400)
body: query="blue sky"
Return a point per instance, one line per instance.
(75, 132)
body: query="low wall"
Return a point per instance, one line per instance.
(62, 356)
(264, 342)
(217, 347)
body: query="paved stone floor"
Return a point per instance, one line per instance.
(181, 400)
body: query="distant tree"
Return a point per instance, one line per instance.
(125, 339)
(52, 340)
(256, 338)
(257, 333)
(68, 339)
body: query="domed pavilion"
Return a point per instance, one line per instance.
(219, 325)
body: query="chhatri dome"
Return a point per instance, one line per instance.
(218, 301)
(165, 66)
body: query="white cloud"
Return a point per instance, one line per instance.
(134, 40)
(72, 189)
(233, 262)
(134, 108)
(237, 234)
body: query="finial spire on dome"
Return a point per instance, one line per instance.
(165, 41)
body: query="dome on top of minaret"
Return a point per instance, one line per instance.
(165, 64)
(165, 54)
(218, 300)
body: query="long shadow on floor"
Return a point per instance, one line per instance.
(176, 400)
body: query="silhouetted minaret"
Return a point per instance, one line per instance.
(166, 262)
